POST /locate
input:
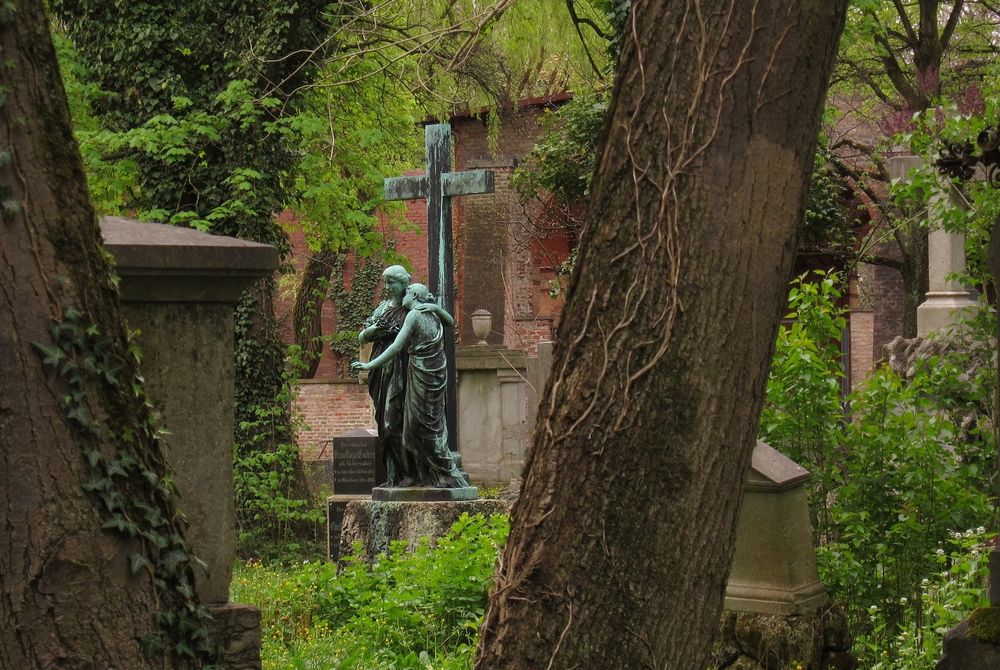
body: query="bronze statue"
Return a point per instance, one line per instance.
(407, 383)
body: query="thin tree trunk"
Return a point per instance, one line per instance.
(307, 313)
(622, 538)
(67, 596)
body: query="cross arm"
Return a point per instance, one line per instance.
(469, 182)
(406, 188)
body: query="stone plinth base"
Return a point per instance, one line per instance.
(423, 494)
(817, 639)
(944, 310)
(336, 507)
(235, 630)
(376, 523)
(765, 600)
(963, 652)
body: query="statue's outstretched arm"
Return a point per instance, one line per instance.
(393, 349)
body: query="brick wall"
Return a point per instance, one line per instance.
(329, 407)
(862, 351)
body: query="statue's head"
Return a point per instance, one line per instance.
(395, 278)
(416, 293)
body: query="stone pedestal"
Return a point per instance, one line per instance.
(774, 563)
(492, 408)
(539, 369)
(375, 524)
(336, 508)
(236, 628)
(947, 302)
(179, 288)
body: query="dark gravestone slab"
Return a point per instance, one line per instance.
(358, 465)
(336, 507)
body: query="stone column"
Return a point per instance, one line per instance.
(179, 288)
(947, 301)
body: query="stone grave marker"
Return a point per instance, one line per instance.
(180, 288)
(356, 468)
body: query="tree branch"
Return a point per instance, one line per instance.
(907, 25)
(949, 28)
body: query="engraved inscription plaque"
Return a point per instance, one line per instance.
(358, 466)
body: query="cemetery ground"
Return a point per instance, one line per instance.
(899, 500)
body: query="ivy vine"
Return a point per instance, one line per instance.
(353, 306)
(135, 499)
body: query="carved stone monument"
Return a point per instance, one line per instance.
(947, 302)
(439, 185)
(179, 288)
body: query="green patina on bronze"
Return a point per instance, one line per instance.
(408, 384)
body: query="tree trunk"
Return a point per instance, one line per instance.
(69, 599)
(913, 242)
(622, 538)
(307, 313)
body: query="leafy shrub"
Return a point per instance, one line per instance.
(804, 414)
(949, 595)
(417, 608)
(898, 468)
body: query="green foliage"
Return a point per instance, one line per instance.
(562, 161)
(804, 414)
(417, 608)
(952, 592)
(894, 478)
(826, 224)
(353, 307)
(273, 518)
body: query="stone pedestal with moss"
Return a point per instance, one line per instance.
(376, 524)
(777, 612)
(179, 289)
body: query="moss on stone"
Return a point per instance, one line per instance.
(984, 625)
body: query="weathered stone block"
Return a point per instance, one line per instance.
(777, 642)
(236, 631)
(376, 523)
(492, 410)
(963, 652)
(774, 562)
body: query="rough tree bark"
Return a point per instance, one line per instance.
(307, 312)
(67, 596)
(621, 541)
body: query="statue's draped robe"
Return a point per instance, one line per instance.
(425, 455)
(409, 392)
(387, 386)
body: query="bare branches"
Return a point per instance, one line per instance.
(386, 37)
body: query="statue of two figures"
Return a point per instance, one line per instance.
(407, 382)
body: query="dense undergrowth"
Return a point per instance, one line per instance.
(902, 468)
(418, 608)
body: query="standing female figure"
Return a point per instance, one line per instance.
(387, 385)
(424, 459)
